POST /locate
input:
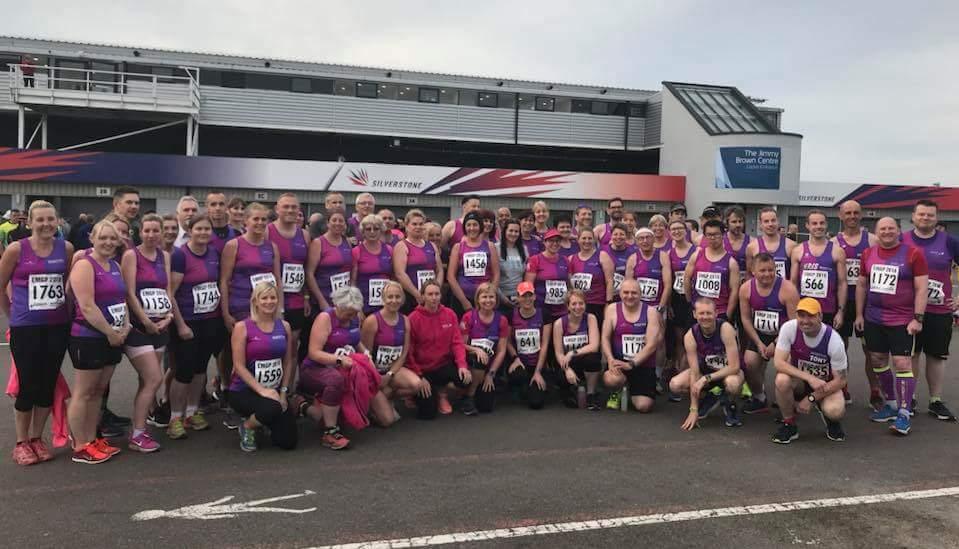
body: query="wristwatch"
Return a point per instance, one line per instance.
(919, 317)
(284, 390)
(709, 378)
(811, 398)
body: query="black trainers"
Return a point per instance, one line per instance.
(786, 433)
(468, 406)
(834, 431)
(109, 418)
(707, 404)
(107, 430)
(939, 411)
(756, 406)
(731, 418)
(160, 415)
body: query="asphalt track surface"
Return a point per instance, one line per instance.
(511, 469)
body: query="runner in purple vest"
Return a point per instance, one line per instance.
(632, 333)
(246, 261)
(771, 242)
(941, 251)
(329, 261)
(853, 240)
(528, 346)
(386, 333)
(472, 262)
(263, 371)
(652, 270)
(453, 230)
(199, 332)
(372, 264)
(36, 268)
(614, 216)
(712, 272)
(292, 243)
(736, 241)
(532, 241)
(891, 298)
(486, 335)
(619, 251)
(661, 238)
(416, 260)
(576, 345)
(591, 271)
(365, 206)
(818, 270)
(99, 328)
(147, 280)
(714, 361)
(811, 371)
(766, 302)
(568, 245)
(680, 252)
(549, 273)
(220, 219)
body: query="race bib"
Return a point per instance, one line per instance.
(708, 284)
(268, 373)
(632, 344)
(815, 369)
(575, 341)
(648, 289)
(386, 355)
(618, 281)
(766, 322)
(852, 271)
(376, 286)
(156, 302)
(293, 278)
(715, 362)
(814, 284)
(527, 341)
(474, 263)
(781, 268)
(937, 296)
(118, 314)
(678, 284)
(206, 298)
(483, 343)
(582, 281)
(555, 292)
(883, 279)
(339, 280)
(46, 292)
(260, 278)
(344, 350)
(422, 277)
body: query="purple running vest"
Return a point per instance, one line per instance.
(110, 295)
(151, 286)
(533, 246)
(198, 296)
(619, 257)
(587, 275)
(710, 351)
(629, 338)
(891, 293)
(217, 242)
(253, 264)
(333, 269)
(476, 333)
(607, 235)
(649, 274)
(818, 277)
(678, 265)
(550, 283)
(420, 263)
(739, 255)
(575, 339)
(388, 341)
(814, 360)
(941, 252)
(292, 262)
(853, 257)
(343, 340)
(769, 313)
(373, 271)
(39, 297)
(571, 251)
(474, 267)
(527, 337)
(783, 264)
(264, 355)
(711, 279)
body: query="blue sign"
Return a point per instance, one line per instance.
(748, 168)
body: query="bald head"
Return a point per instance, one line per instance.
(887, 231)
(850, 212)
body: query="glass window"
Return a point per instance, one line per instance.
(388, 91)
(429, 95)
(68, 79)
(301, 85)
(545, 104)
(366, 89)
(344, 87)
(563, 104)
(637, 111)
(526, 102)
(448, 96)
(233, 79)
(580, 105)
(507, 101)
(468, 97)
(407, 93)
(600, 107)
(487, 99)
(324, 86)
(208, 77)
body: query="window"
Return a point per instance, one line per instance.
(545, 104)
(233, 79)
(429, 95)
(507, 101)
(324, 86)
(581, 105)
(637, 111)
(344, 87)
(600, 107)
(366, 89)
(468, 97)
(388, 91)
(563, 104)
(448, 96)
(207, 77)
(407, 93)
(526, 102)
(164, 71)
(301, 85)
(487, 99)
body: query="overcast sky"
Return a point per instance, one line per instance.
(872, 85)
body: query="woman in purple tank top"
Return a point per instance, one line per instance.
(386, 333)
(100, 326)
(146, 274)
(263, 370)
(591, 271)
(36, 268)
(416, 260)
(529, 347)
(329, 262)
(472, 262)
(372, 263)
(619, 251)
(486, 334)
(576, 344)
(246, 261)
(661, 239)
(651, 269)
(549, 273)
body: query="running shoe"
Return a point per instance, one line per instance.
(902, 425)
(746, 392)
(939, 411)
(143, 443)
(247, 438)
(756, 406)
(176, 430)
(334, 439)
(731, 416)
(786, 433)
(674, 397)
(612, 403)
(593, 403)
(110, 418)
(230, 420)
(23, 454)
(885, 414)
(110, 431)
(160, 415)
(89, 455)
(198, 422)
(40, 449)
(707, 404)
(876, 400)
(443, 403)
(103, 446)
(468, 406)
(834, 431)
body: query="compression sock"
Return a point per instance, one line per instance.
(887, 383)
(905, 389)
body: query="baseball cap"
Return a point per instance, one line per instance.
(525, 288)
(809, 305)
(711, 211)
(677, 207)
(552, 233)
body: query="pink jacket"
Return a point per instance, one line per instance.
(362, 384)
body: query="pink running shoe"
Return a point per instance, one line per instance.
(40, 449)
(23, 454)
(144, 443)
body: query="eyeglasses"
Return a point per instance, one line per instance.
(713, 235)
(371, 228)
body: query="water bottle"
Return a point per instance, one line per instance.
(624, 400)
(581, 397)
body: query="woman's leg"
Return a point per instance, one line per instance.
(148, 368)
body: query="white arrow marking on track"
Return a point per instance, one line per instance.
(216, 509)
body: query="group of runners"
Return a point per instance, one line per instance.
(375, 313)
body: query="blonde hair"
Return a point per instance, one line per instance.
(38, 205)
(658, 218)
(540, 204)
(261, 289)
(106, 224)
(256, 206)
(414, 213)
(373, 219)
(394, 284)
(486, 288)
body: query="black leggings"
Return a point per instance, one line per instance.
(193, 355)
(536, 397)
(586, 363)
(38, 352)
(283, 430)
(426, 408)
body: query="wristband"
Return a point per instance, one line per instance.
(693, 409)
(284, 390)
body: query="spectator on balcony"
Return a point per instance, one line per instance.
(28, 69)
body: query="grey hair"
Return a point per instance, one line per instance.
(347, 297)
(186, 198)
(375, 220)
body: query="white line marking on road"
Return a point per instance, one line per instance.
(214, 509)
(662, 518)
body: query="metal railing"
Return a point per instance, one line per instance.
(50, 85)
